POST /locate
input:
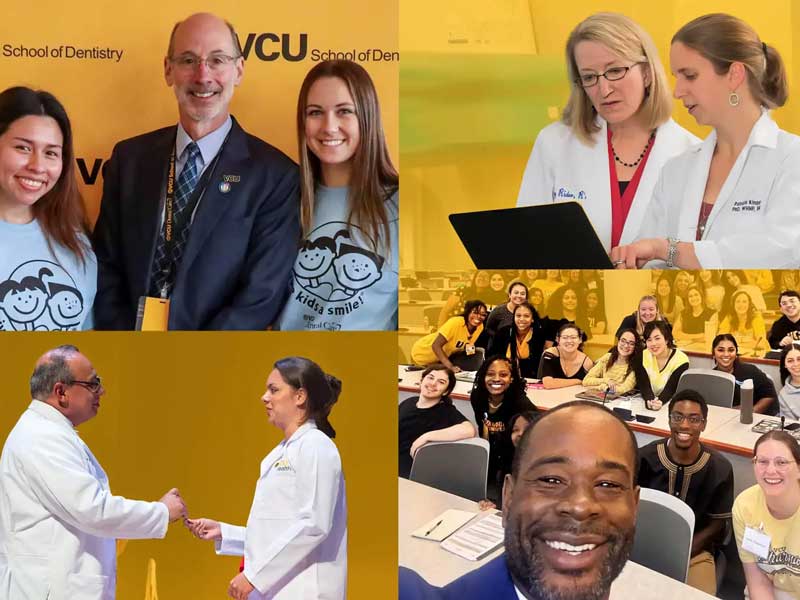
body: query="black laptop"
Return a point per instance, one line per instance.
(550, 236)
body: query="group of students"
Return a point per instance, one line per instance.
(347, 208)
(679, 465)
(652, 190)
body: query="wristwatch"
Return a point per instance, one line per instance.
(672, 252)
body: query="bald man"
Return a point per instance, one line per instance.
(58, 519)
(199, 214)
(569, 511)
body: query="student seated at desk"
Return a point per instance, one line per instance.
(736, 280)
(564, 306)
(431, 416)
(691, 322)
(499, 393)
(457, 335)
(786, 329)
(714, 292)
(479, 288)
(770, 512)
(670, 303)
(647, 312)
(595, 311)
(566, 364)
(789, 397)
(613, 372)
(662, 365)
(683, 467)
(725, 351)
(523, 341)
(502, 315)
(742, 320)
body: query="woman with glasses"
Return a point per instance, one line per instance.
(725, 352)
(295, 541)
(661, 367)
(766, 520)
(48, 271)
(615, 133)
(734, 200)
(453, 341)
(613, 372)
(789, 396)
(565, 364)
(349, 193)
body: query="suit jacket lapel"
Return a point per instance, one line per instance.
(144, 224)
(214, 202)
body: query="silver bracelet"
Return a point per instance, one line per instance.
(672, 252)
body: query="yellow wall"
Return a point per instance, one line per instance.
(184, 410)
(479, 80)
(109, 101)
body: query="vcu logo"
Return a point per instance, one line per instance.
(272, 46)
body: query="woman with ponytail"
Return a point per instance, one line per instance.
(295, 542)
(734, 200)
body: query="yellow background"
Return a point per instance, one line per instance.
(109, 101)
(479, 80)
(184, 410)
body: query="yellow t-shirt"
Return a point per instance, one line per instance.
(454, 331)
(782, 565)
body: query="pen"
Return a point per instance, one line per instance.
(427, 533)
(783, 420)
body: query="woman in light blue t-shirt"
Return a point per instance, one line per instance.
(345, 275)
(48, 272)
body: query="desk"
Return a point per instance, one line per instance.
(419, 503)
(723, 430)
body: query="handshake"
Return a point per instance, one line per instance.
(204, 529)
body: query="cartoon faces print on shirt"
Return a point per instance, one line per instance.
(39, 295)
(333, 268)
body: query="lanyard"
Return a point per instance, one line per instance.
(174, 224)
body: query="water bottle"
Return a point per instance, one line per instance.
(746, 408)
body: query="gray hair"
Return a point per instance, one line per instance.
(234, 39)
(52, 369)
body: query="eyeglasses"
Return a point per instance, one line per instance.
(215, 62)
(588, 80)
(781, 464)
(627, 344)
(94, 385)
(678, 418)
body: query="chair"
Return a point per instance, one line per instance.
(470, 362)
(460, 468)
(431, 313)
(715, 386)
(664, 530)
(419, 295)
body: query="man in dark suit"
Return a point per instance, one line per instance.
(569, 510)
(203, 213)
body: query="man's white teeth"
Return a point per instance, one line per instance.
(203, 94)
(332, 142)
(31, 182)
(569, 548)
(684, 436)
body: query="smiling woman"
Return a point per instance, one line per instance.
(48, 271)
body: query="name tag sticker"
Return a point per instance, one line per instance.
(756, 542)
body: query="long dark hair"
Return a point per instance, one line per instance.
(373, 177)
(479, 398)
(322, 390)
(635, 357)
(60, 212)
(784, 352)
(721, 337)
(734, 316)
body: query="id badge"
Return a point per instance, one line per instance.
(152, 314)
(756, 542)
(469, 349)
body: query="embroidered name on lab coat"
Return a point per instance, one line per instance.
(282, 466)
(746, 206)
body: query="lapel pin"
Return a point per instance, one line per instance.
(224, 187)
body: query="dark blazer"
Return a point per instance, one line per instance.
(242, 244)
(492, 580)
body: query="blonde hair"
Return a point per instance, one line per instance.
(659, 316)
(724, 39)
(626, 38)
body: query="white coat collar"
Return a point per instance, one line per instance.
(44, 410)
(764, 133)
(300, 432)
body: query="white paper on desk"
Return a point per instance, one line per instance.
(480, 538)
(443, 525)
(468, 376)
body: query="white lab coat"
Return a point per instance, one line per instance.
(58, 519)
(295, 542)
(562, 168)
(755, 222)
